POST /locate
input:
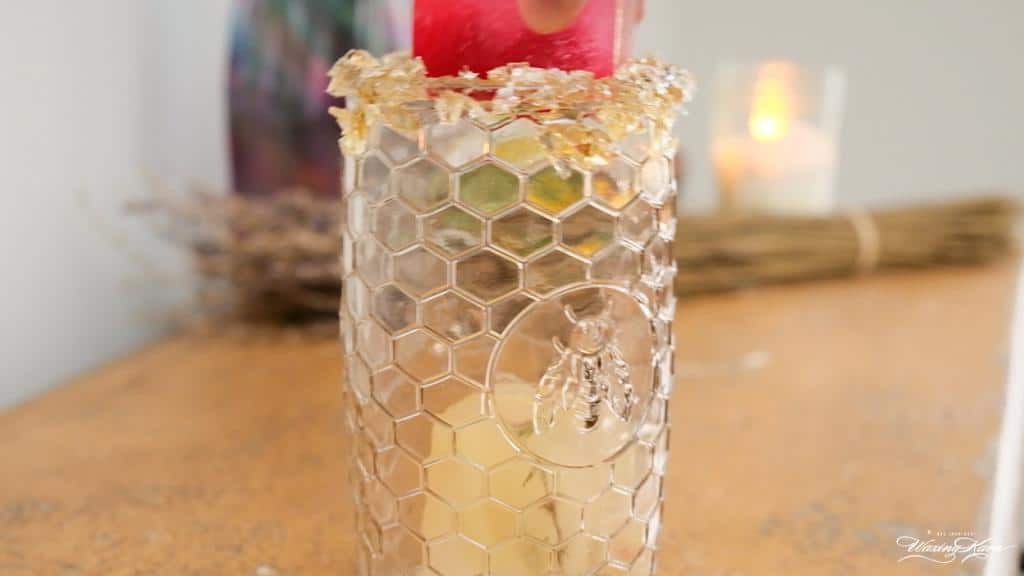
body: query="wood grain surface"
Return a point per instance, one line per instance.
(812, 426)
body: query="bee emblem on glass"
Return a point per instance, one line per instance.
(586, 373)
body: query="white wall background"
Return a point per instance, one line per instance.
(96, 96)
(99, 94)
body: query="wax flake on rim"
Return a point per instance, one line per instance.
(642, 95)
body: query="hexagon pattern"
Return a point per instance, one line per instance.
(457, 556)
(588, 230)
(484, 443)
(420, 271)
(373, 178)
(373, 262)
(453, 316)
(425, 437)
(656, 179)
(518, 144)
(358, 214)
(422, 184)
(457, 143)
(396, 391)
(487, 523)
(454, 401)
(396, 146)
(486, 275)
(517, 557)
(453, 230)
(395, 309)
(471, 358)
(455, 482)
(444, 247)
(488, 188)
(394, 224)
(620, 264)
(550, 192)
(505, 311)
(553, 521)
(554, 270)
(426, 515)
(522, 231)
(520, 483)
(615, 185)
(422, 355)
(374, 344)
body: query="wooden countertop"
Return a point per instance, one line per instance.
(812, 426)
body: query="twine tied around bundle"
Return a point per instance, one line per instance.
(869, 242)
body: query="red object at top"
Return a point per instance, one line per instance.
(452, 35)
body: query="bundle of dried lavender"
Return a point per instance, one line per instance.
(275, 260)
(260, 261)
(720, 253)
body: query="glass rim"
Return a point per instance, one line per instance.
(580, 111)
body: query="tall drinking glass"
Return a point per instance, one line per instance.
(507, 324)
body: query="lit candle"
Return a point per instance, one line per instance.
(781, 163)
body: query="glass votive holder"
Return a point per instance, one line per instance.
(507, 270)
(775, 136)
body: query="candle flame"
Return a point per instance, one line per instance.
(771, 108)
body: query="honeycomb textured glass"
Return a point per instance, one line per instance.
(588, 230)
(488, 188)
(373, 178)
(518, 144)
(396, 146)
(423, 184)
(394, 224)
(553, 193)
(487, 292)
(522, 232)
(615, 184)
(452, 230)
(456, 144)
